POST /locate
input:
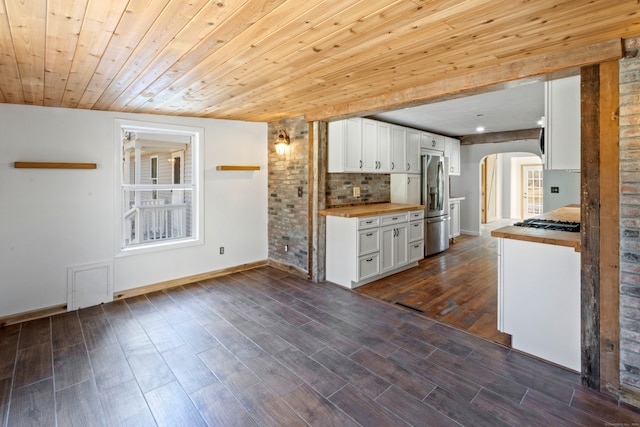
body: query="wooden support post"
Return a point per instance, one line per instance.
(590, 221)
(609, 228)
(317, 198)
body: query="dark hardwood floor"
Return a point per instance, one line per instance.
(458, 287)
(264, 348)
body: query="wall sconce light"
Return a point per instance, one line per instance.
(282, 141)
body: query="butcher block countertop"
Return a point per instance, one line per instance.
(551, 237)
(366, 210)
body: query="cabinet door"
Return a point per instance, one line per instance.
(454, 224)
(401, 245)
(384, 147)
(398, 149)
(353, 145)
(387, 238)
(413, 151)
(369, 146)
(394, 251)
(562, 136)
(452, 152)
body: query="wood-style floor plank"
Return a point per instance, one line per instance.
(33, 405)
(79, 405)
(171, 407)
(266, 348)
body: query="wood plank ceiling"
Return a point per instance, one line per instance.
(263, 60)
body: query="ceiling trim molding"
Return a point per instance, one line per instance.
(505, 75)
(493, 137)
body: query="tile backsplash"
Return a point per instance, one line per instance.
(374, 188)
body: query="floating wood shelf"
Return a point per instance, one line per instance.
(51, 165)
(238, 168)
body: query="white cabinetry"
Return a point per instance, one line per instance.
(364, 145)
(376, 146)
(454, 213)
(398, 149)
(562, 130)
(452, 152)
(363, 249)
(539, 299)
(394, 236)
(345, 145)
(405, 188)
(416, 235)
(413, 151)
(432, 141)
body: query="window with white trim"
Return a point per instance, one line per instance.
(159, 197)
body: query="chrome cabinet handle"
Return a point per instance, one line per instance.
(393, 166)
(360, 164)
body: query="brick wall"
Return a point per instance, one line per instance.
(630, 215)
(288, 213)
(374, 188)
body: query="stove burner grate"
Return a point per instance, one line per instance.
(549, 224)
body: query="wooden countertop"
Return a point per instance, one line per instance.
(551, 237)
(366, 210)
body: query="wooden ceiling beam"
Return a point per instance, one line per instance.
(494, 137)
(531, 67)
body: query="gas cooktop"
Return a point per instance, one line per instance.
(550, 224)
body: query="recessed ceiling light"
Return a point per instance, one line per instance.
(480, 129)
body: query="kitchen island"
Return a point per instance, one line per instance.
(367, 242)
(539, 289)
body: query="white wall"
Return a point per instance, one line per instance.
(569, 186)
(468, 183)
(53, 219)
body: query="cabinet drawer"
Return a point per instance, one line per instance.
(368, 266)
(393, 219)
(416, 230)
(368, 241)
(416, 251)
(414, 215)
(368, 222)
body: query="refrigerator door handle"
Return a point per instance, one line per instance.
(440, 186)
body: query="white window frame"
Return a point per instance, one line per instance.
(197, 147)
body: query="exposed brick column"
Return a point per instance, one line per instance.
(289, 213)
(630, 216)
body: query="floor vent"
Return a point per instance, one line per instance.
(409, 307)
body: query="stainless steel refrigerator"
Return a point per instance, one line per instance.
(435, 198)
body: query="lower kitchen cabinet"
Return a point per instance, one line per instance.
(454, 213)
(539, 299)
(363, 249)
(394, 247)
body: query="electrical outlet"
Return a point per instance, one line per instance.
(555, 189)
(221, 250)
(286, 248)
(300, 191)
(356, 191)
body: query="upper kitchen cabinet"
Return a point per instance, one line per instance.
(345, 145)
(452, 152)
(562, 129)
(398, 149)
(431, 141)
(376, 146)
(413, 151)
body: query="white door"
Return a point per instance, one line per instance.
(532, 191)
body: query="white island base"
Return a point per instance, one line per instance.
(539, 299)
